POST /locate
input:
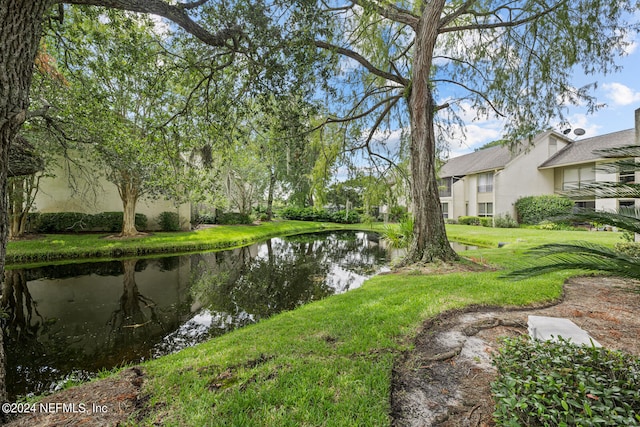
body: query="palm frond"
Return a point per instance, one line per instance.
(583, 256)
(605, 190)
(619, 152)
(626, 218)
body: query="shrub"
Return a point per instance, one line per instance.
(62, 222)
(469, 220)
(534, 209)
(316, 214)
(486, 222)
(562, 384)
(398, 213)
(205, 218)
(169, 221)
(506, 221)
(232, 218)
(399, 236)
(66, 222)
(112, 221)
(631, 249)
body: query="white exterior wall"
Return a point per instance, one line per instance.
(99, 195)
(521, 177)
(606, 204)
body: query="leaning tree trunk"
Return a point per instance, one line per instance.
(430, 241)
(20, 32)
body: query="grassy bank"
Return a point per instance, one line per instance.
(329, 363)
(55, 247)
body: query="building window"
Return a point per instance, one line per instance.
(627, 205)
(627, 177)
(485, 209)
(445, 210)
(577, 178)
(444, 187)
(485, 182)
(586, 204)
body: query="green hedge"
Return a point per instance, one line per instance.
(534, 209)
(169, 221)
(563, 384)
(232, 218)
(73, 222)
(323, 215)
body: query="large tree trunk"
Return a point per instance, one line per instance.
(129, 194)
(430, 241)
(20, 32)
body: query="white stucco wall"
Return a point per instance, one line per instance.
(72, 190)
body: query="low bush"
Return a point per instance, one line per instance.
(563, 384)
(631, 249)
(232, 218)
(169, 221)
(316, 214)
(204, 218)
(74, 222)
(534, 209)
(469, 220)
(506, 221)
(486, 222)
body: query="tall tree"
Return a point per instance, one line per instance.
(510, 59)
(242, 31)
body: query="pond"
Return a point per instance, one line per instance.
(71, 321)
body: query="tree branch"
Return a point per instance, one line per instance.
(392, 12)
(192, 5)
(477, 92)
(506, 24)
(176, 14)
(362, 61)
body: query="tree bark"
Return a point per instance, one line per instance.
(20, 32)
(272, 184)
(129, 193)
(430, 241)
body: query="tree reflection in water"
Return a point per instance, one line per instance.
(75, 320)
(243, 286)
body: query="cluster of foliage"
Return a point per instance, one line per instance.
(399, 237)
(322, 215)
(563, 384)
(475, 220)
(506, 221)
(169, 221)
(65, 222)
(233, 218)
(534, 209)
(223, 218)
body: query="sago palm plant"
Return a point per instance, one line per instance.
(587, 256)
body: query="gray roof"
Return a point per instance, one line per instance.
(582, 151)
(479, 161)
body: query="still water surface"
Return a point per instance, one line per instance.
(71, 321)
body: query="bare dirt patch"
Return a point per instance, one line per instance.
(445, 380)
(108, 402)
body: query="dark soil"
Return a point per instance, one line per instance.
(444, 381)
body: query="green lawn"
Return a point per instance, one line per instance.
(83, 247)
(329, 363)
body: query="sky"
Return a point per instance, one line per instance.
(619, 91)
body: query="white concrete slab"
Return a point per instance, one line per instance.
(550, 328)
